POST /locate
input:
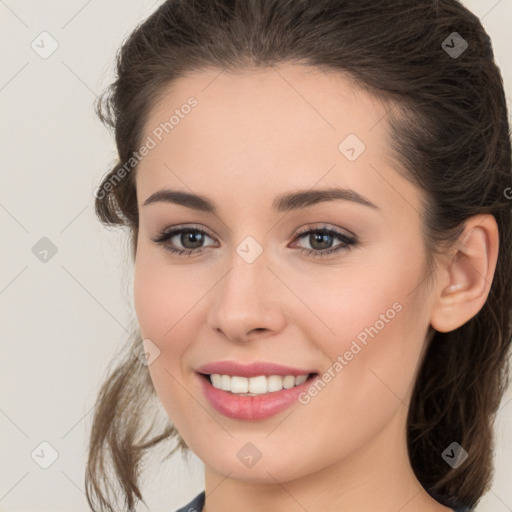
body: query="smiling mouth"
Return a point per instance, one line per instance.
(255, 386)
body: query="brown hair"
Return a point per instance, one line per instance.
(449, 131)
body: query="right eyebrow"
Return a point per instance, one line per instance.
(182, 198)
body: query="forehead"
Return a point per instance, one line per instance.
(289, 100)
(263, 130)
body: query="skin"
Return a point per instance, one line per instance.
(253, 136)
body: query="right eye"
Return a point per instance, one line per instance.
(191, 239)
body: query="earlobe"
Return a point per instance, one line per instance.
(467, 278)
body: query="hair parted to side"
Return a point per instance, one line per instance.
(449, 132)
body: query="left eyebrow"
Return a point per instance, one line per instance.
(304, 198)
(284, 202)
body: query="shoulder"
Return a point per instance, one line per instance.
(196, 505)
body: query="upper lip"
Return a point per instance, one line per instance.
(251, 370)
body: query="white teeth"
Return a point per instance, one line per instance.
(301, 379)
(225, 382)
(239, 385)
(255, 385)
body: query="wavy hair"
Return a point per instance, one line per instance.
(450, 135)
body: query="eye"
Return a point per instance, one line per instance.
(321, 239)
(191, 239)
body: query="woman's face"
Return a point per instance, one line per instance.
(261, 290)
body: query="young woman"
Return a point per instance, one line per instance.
(318, 195)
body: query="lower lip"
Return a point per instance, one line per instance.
(252, 407)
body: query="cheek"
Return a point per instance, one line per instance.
(168, 304)
(149, 300)
(161, 303)
(163, 295)
(372, 324)
(347, 301)
(371, 359)
(373, 315)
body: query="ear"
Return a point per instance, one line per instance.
(464, 280)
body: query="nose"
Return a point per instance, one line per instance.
(247, 302)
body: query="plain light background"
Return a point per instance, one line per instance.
(64, 320)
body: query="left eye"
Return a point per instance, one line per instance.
(320, 240)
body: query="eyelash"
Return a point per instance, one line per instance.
(347, 242)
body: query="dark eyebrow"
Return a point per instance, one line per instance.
(282, 203)
(184, 198)
(304, 198)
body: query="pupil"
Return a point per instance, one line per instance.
(324, 240)
(191, 236)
